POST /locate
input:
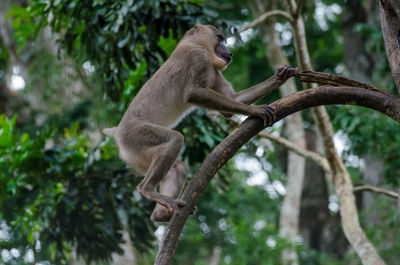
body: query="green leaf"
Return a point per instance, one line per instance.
(24, 138)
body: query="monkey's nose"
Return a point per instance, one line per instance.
(230, 54)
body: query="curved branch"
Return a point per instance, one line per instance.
(311, 155)
(388, 193)
(264, 17)
(324, 95)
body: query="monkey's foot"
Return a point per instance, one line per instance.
(161, 214)
(164, 214)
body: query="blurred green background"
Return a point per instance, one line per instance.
(69, 68)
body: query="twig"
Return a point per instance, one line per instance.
(331, 79)
(314, 156)
(311, 155)
(264, 17)
(388, 193)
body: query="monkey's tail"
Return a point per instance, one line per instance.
(110, 131)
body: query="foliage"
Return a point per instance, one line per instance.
(375, 45)
(114, 36)
(68, 195)
(367, 133)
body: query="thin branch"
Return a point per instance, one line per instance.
(264, 17)
(290, 5)
(314, 156)
(299, 7)
(324, 95)
(388, 193)
(311, 155)
(333, 80)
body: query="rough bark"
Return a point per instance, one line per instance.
(324, 95)
(390, 24)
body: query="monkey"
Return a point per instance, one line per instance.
(191, 77)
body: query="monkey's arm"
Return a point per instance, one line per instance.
(208, 98)
(252, 94)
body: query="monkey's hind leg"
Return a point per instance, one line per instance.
(159, 147)
(171, 185)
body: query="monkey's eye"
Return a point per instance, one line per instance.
(220, 37)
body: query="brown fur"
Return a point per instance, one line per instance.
(190, 77)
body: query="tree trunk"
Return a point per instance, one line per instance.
(290, 209)
(372, 172)
(215, 256)
(390, 23)
(129, 256)
(341, 177)
(314, 204)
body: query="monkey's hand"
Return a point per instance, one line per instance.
(265, 112)
(285, 72)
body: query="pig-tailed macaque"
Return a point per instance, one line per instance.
(191, 77)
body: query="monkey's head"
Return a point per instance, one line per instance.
(211, 39)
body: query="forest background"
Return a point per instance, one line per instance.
(69, 68)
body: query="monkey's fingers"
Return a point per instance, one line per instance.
(273, 113)
(281, 72)
(269, 115)
(286, 71)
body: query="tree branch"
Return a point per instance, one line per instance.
(324, 95)
(299, 7)
(390, 24)
(314, 156)
(388, 193)
(264, 17)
